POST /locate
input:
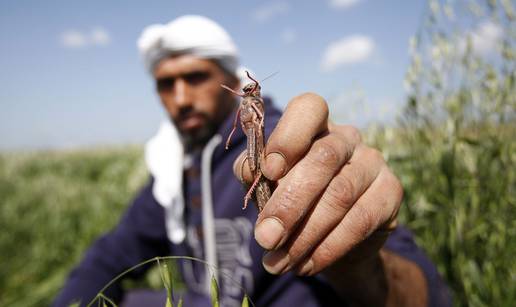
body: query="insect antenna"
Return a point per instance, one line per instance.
(256, 82)
(270, 76)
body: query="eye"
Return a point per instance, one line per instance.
(196, 77)
(164, 84)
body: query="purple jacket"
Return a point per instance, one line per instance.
(141, 235)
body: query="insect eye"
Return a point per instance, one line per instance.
(247, 88)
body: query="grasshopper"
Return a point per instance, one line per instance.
(252, 116)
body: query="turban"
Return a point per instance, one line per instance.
(189, 34)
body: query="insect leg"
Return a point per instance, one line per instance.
(249, 194)
(234, 128)
(260, 114)
(231, 90)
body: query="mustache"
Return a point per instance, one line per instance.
(187, 112)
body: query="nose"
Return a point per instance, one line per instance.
(182, 93)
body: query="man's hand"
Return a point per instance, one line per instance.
(336, 200)
(333, 191)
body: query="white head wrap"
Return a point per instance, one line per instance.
(189, 34)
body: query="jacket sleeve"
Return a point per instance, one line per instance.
(402, 243)
(140, 235)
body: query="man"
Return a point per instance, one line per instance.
(335, 203)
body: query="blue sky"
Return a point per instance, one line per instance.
(70, 73)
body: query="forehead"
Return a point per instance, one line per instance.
(183, 64)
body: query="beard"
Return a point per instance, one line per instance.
(194, 139)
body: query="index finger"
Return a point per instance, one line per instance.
(305, 117)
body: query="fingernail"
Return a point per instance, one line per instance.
(238, 168)
(306, 268)
(269, 232)
(275, 262)
(275, 166)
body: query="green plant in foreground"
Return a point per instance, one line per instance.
(167, 277)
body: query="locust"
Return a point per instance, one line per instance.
(251, 112)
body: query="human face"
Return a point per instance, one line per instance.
(189, 89)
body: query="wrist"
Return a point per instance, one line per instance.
(360, 277)
(360, 281)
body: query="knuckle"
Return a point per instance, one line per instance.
(364, 222)
(354, 134)
(324, 254)
(340, 193)
(324, 153)
(395, 186)
(349, 138)
(351, 133)
(373, 154)
(311, 101)
(300, 248)
(288, 202)
(281, 141)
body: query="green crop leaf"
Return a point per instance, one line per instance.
(214, 292)
(167, 280)
(245, 301)
(170, 279)
(104, 299)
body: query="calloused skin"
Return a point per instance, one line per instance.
(336, 200)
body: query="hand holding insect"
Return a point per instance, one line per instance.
(334, 194)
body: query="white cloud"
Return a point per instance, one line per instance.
(99, 36)
(343, 4)
(76, 39)
(73, 39)
(270, 10)
(486, 36)
(288, 36)
(349, 50)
